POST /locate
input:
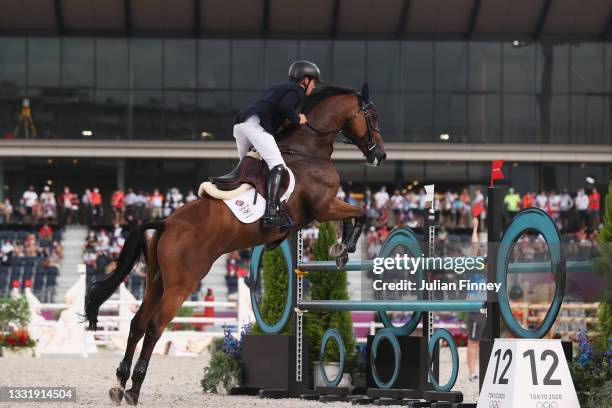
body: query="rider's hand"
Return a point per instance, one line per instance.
(303, 119)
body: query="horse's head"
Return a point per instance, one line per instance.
(363, 131)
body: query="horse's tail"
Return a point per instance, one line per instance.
(100, 291)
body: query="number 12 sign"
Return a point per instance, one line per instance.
(526, 373)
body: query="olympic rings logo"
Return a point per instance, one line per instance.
(546, 404)
(495, 404)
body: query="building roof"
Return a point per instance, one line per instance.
(311, 18)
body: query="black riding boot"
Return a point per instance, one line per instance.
(273, 217)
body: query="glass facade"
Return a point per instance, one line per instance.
(151, 88)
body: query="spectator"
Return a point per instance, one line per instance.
(29, 199)
(397, 204)
(341, 195)
(130, 206)
(565, 205)
(87, 207)
(209, 311)
(45, 232)
(541, 201)
(175, 199)
(381, 198)
(96, 204)
(117, 204)
(141, 206)
(594, 203)
(156, 202)
(7, 211)
(47, 201)
(67, 201)
(528, 200)
(582, 206)
(190, 197)
(512, 201)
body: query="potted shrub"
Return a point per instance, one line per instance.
(14, 337)
(223, 371)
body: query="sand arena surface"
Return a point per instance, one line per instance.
(170, 382)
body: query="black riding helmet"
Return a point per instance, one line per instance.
(300, 69)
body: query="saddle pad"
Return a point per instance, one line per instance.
(242, 205)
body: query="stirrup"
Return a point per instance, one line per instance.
(274, 220)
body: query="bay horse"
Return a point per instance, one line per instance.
(185, 245)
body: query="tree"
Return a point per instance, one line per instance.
(274, 287)
(328, 285)
(604, 267)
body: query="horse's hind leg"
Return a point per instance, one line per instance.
(150, 304)
(138, 325)
(170, 304)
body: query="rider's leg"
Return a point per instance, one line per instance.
(242, 141)
(267, 148)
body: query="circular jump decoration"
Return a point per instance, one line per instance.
(433, 342)
(397, 353)
(531, 220)
(332, 334)
(404, 237)
(256, 258)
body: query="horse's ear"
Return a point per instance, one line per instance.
(365, 92)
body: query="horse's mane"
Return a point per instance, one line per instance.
(317, 97)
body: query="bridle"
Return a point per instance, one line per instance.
(364, 107)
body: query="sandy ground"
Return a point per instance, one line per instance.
(170, 382)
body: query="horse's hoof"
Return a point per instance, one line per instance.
(131, 397)
(342, 260)
(116, 394)
(337, 250)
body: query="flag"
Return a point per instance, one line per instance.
(496, 173)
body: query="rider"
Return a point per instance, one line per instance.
(255, 124)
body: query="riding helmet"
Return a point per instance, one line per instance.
(300, 69)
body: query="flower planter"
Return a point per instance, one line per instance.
(331, 369)
(17, 352)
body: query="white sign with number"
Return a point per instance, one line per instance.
(526, 373)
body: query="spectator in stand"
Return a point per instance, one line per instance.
(156, 201)
(513, 204)
(397, 204)
(381, 198)
(465, 207)
(130, 206)
(528, 200)
(7, 211)
(66, 201)
(594, 204)
(118, 204)
(341, 195)
(141, 206)
(190, 197)
(96, 204)
(47, 201)
(29, 200)
(87, 208)
(45, 233)
(565, 206)
(541, 201)
(554, 206)
(175, 199)
(582, 206)
(209, 311)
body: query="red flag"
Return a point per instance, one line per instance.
(496, 173)
(477, 209)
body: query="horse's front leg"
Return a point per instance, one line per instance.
(338, 210)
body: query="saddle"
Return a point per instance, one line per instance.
(251, 170)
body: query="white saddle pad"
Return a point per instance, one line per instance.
(240, 200)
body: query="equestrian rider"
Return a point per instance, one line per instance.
(256, 124)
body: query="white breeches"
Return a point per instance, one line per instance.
(250, 133)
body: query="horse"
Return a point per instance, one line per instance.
(185, 245)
